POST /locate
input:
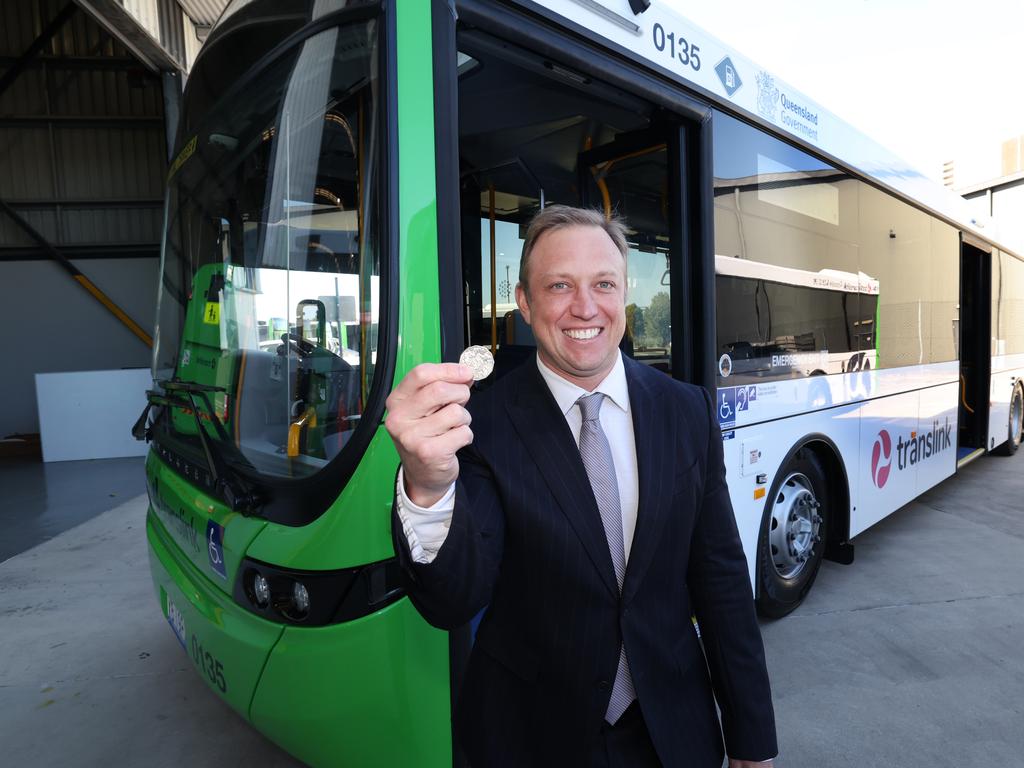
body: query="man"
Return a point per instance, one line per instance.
(587, 509)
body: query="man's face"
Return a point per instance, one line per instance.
(577, 302)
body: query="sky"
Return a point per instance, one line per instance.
(931, 80)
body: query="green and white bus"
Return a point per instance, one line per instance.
(350, 185)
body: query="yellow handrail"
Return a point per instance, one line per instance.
(295, 431)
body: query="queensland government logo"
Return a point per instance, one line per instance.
(767, 96)
(909, 450)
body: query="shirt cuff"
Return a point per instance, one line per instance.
(425, 528)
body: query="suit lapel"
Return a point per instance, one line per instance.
(654, 459)
(542, 427)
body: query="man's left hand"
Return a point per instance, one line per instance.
(750, 764)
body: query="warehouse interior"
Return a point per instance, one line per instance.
(89, 95)
(87, 92)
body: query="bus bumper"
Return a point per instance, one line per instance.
(227, 644)
(369, 692)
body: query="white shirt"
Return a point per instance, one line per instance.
(427, 528)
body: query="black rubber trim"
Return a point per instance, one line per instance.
(335, 597)
(703, 253)
(449, 257)
(446, 141)
(681, 291)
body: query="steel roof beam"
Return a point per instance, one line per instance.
(37, 45)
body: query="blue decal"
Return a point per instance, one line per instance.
(727, 406)
(215, 548)
(744, 396)
(729, 76)
(729, 435)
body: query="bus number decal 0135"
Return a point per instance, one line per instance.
(210, 665)
(676, 47)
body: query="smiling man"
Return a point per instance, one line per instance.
(587, 509)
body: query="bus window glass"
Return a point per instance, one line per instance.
(1007, 304)
(508, 247)
(791, 298)
(944, 294)
(271, 266)
(630, 177)
(916, 263)
(1006, 206)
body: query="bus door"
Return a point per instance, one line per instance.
(974, 340)
(532, 132)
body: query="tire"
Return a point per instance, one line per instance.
(794, 530)
(1014, 424)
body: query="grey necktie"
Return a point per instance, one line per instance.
(597, 459)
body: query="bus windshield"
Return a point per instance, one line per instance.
(271, 266)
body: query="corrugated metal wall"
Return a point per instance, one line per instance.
(83, 159)
(82, 140)
(147, 13)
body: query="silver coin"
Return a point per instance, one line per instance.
(479, 360)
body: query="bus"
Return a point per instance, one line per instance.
(348, 197)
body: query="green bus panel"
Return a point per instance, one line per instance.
(213, 628)
(364, 694)
(354, 531)
(186, 514)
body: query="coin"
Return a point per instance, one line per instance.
(479, 360)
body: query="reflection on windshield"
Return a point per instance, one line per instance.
(270, 286)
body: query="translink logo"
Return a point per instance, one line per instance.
(909, 450)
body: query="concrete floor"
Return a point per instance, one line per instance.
(40, 501)
(913, 656)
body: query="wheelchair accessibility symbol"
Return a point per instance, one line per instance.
(215, 548)
(727, 407)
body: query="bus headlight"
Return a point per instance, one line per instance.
(300, 600)
(261, 590)
(317, 598)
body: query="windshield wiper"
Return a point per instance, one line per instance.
(233, 488)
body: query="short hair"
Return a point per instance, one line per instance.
(555, 217)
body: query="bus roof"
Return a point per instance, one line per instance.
(825, 279)
(738, 85)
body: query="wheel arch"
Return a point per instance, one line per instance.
(1009, 447)
(828, 455)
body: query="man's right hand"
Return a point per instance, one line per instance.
(428, 425)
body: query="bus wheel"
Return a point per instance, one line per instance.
(793, 531)
(1015, 423)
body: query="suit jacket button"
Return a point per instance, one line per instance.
(602, 684)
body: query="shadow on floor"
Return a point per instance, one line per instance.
(39, 501)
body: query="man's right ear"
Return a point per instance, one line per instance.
(523, 302)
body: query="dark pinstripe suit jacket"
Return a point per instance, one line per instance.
(526, 540)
